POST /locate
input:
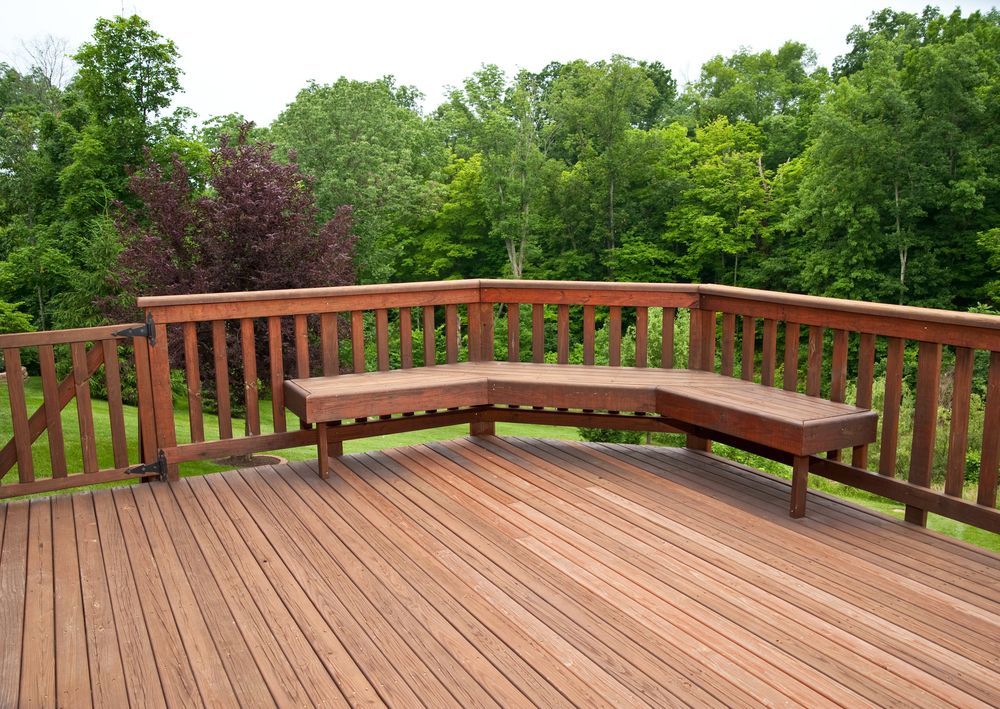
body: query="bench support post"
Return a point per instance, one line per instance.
(698, 443)
(322, 450)
(482, 428)
(800, 484)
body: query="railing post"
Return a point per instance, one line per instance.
(481, 350)
(701, 355)
(163, 400)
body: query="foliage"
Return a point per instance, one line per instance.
(255, 229)
(366, 146)
(12, 319)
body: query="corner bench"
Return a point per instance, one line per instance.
(774, 422)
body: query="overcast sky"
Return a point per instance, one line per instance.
(252, 57)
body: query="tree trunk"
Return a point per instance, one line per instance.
(903, 249)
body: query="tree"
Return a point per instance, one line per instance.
(366, 145)
(725, 212)
(777, 91)
(592, 107)
(254, 228)
(496, 120)
(127, 71)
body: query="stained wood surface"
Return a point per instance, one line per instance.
(485, 572)
(784, 420)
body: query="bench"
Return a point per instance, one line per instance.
(776, 423)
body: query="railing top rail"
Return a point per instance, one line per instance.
(157, 301)
(588, 286)
(883, 310)
(63, 337)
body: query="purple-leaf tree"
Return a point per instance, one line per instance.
(253, 227)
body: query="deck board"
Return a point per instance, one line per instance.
(488, 571)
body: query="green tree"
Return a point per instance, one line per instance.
(777, 91)
(497, 120)
(367, 146)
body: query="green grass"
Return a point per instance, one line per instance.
(102, 430)
(891, 508)
(105, 456)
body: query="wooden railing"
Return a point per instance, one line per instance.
(797, 342)
(89, 353)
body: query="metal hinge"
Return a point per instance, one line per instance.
(158, 468)
(147, 331)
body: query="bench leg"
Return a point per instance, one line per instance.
(322, 451)
(800, 484)
(699, 444)
(482, 428)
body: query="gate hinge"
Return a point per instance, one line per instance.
(157, 468)
(147, 331)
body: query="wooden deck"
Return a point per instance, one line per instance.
(488, 571)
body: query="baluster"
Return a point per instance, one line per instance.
(19, 415)
(192, 378)
(250, 375)
(513, 332)
(430, 358)
(84, 410)
(991, 437)
(275, 354)
(866, 378)
(615, 336)
(329, 340)
(667, 345)
(791, 366)
(220, 353)
(749, 347)
(382, 338)
(53, 418)
(562, 341)
(924, 423)
(116, 412)
(728, 343)
(405, 338)
(958, 435)
(768, 352)
(814, 361)
(537, 332)
(358, 341)
(838, 374)
(451, 333)
(588, 334)
(641, 336)
(301, 331)
(890, 413)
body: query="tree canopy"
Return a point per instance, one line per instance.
(876, 178)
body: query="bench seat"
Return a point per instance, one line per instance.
(742, 411)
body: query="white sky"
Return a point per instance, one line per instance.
(252, 57)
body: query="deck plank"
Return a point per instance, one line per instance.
(278, 673)
(207, 663)
(324, 575)
(760, 607)
(107, 673)
(488, 571)
(13, 578)
(245, 673)
(176, 674)
(72, 663)
(601, 571)
(38, 687)
(142, 681)
(456, 657)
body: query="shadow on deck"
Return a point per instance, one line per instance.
(488, 571)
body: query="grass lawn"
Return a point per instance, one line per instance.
(102, 428)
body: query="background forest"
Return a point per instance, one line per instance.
(877, 178)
